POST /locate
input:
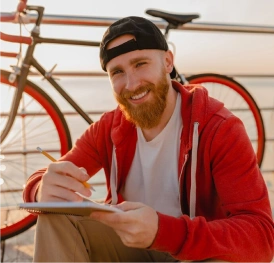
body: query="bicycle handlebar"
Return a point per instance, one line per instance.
(8, 54)
(21, 6)
(15, 39)
(8, 18)
(14, 16)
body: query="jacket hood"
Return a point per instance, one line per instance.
(121, 128)
(197, 107)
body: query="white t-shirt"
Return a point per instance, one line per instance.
(153, 177)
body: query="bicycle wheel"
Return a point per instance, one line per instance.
(38, 122)
(239, 101)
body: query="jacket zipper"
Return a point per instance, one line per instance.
(113, 179)
(180, 183)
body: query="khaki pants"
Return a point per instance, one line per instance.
(81, 239)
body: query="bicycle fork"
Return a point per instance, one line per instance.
(21, 75)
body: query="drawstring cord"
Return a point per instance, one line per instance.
(113, 179)
(195, 141)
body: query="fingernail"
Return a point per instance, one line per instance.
(85, 173)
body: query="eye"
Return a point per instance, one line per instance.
(139, 64)
(116, 72)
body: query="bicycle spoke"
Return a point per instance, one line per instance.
(32, 127)
(17, 141)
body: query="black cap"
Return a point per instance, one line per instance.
(147, 36)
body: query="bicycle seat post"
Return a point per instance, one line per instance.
(40, 12)
(168, 27)
(180, 78)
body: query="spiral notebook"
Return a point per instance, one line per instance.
(69, 208)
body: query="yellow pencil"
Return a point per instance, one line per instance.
(87, 185)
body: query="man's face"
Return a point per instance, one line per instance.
(140, 81)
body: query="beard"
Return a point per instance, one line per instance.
(148, 114)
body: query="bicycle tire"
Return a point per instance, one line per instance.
(49, 115)
(231, 92)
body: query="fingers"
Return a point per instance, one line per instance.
(83, 170)
(59, 194)
(116, 219)
(126, 206)
(113, 220)
(70, 169)
(137, 225)
(60, 182)
(66, 182)
(86, 184)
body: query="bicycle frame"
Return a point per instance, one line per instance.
(29, 61)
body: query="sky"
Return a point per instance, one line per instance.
(196, 51)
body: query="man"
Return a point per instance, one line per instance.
(177, 162)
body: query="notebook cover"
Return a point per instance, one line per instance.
(69, 208)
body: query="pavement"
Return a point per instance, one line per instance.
(19, 248)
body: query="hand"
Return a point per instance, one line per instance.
(60, 182)
(137, 226)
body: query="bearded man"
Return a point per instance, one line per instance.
(178, 165)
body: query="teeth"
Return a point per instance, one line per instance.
(139, 96)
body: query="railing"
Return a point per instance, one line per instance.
(102, 21)
(106, 21)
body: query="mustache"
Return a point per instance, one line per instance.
(127, 94)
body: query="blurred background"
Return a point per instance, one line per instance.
(195, 51)
(248, 57)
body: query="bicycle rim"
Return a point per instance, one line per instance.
(239, 101)
(38, 122)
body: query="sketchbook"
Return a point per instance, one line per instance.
(84, 208)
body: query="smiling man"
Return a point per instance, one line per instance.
(178, 165)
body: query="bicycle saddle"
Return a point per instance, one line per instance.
(173, 19)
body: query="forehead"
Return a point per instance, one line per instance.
(119, 41)
(129, 58)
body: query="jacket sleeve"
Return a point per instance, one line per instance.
(246, 231)
(83, 154)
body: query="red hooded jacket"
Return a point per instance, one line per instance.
(224, 199)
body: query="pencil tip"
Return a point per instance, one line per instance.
(39, 149)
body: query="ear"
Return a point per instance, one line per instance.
(169, 61)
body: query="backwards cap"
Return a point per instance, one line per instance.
(147, 36)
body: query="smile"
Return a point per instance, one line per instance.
(139, 96)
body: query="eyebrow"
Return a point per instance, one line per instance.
(131, 62)
(135, 60)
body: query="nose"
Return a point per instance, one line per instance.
(133, 81)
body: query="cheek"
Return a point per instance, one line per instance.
(117, 87)
(150, 74)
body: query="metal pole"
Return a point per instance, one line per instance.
(105, 21)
